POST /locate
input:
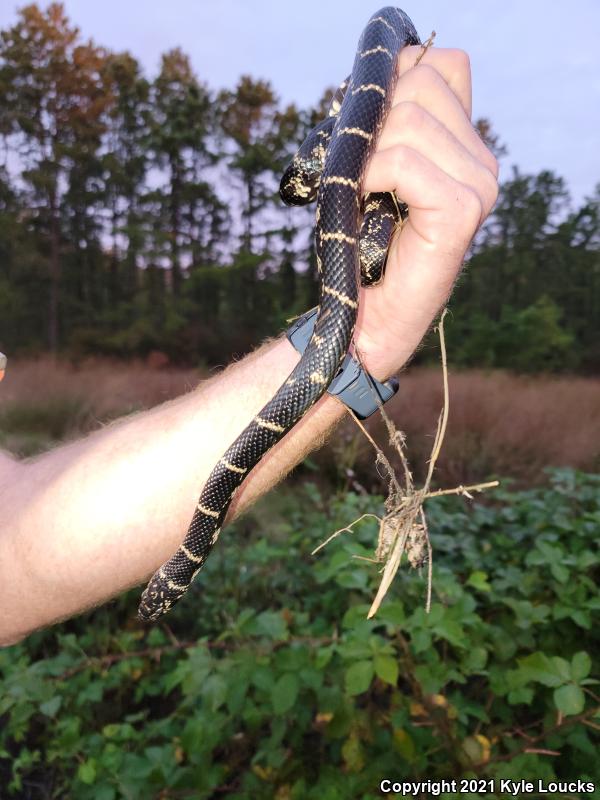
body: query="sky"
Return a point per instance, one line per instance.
(536, 65)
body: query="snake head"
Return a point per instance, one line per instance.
(158, 597)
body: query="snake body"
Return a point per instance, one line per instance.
(331, 166)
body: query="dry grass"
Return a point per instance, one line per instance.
(106, 386)
(499, 424)
(42, 401)
(504, 424)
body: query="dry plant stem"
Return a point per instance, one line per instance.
(443, 420)
(405, 506)
(429, 560)
(464, 490)
(425, 47)
(413, 502)
(348, 529)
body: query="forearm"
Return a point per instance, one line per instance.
(90, 519)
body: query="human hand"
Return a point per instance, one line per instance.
(430, 155)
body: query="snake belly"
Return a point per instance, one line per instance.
(352, 138)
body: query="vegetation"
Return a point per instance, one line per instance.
(140, 214)
(500, 425)
(268, 682)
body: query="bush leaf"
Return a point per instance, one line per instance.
(569, 699)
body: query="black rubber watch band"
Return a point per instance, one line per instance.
(352, 385)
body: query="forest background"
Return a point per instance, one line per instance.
(141, 215)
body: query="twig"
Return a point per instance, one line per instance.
(348, 528)
(565, 722)
(443, 419)
(156, 652)
(425, 47)
(476, 487)
(403, 528)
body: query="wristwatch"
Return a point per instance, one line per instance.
(352, 385)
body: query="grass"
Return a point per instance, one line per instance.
(43, 402)
(499, 424)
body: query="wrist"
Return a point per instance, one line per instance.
(380, 358)
(385, 347)
(359, 390)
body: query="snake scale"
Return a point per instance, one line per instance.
(352, 238)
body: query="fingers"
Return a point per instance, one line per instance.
(453, 65)
(432, 195)
(426, 87)
(423, 261)
(429, 119)
(411, 126)
(430, 156)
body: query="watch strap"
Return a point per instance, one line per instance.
(352, 385)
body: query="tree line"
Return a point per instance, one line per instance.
(141, 215)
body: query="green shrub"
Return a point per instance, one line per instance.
(269, 682)
(528, 340)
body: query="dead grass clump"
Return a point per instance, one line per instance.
(403, 529)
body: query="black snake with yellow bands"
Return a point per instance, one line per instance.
(334, 158)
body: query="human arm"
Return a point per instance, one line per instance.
(90, 519)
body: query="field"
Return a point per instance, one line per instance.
(499, 424)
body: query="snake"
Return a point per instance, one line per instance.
(352, 236)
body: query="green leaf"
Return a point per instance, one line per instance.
(562, 668)
(520, 695)
(478, 580)
(451, 630)
(323, 656)
(215, 691)
(50, 707)
(285, 693)
(404, 744)
(541, 669)
(474, 659)
(560, 572)
(386, 668)
(581, 665)
(569, 699)
(104, 793)
(391, 613)
(87, 771)
(352, 753)
(270, 624)
(359, 677)
(355, 615)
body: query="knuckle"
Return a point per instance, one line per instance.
(487, 186)
(425, 74)
(494, 166)
(410, 114)
(471, 207)
(461, 61)
(400, 154)
(493, 190)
